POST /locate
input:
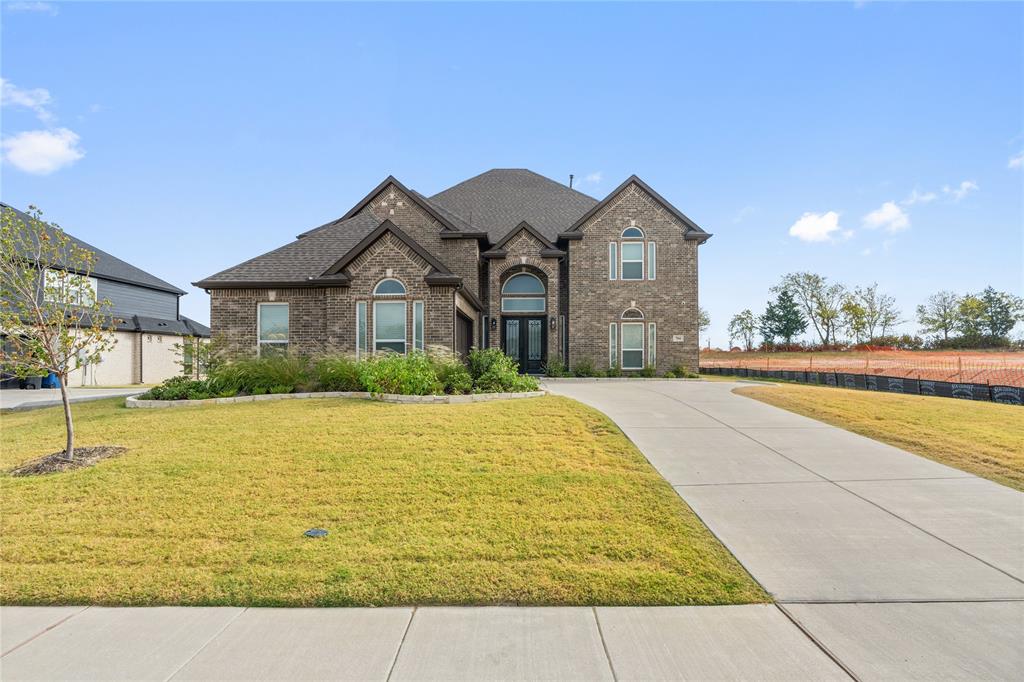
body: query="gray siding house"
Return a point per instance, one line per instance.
(148, 322)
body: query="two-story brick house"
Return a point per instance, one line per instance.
(506, 259)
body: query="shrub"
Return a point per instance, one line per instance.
(494, 372)
(283, 374)
(556, 368)
(614, 370)
(180, 388)
(670, 374)
(584, 368)
(452, 374)
(683, 371)
(338, 373)
(411, 374)
(648, 371)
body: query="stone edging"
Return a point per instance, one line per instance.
(134, 402)
(555, 380)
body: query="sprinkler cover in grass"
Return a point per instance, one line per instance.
(315, 533)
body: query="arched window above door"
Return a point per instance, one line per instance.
(523, 293)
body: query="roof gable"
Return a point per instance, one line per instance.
(693, 231)
(438, 270)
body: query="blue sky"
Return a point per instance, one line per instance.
(876, 142)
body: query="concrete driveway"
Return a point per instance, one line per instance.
(18, 399)
(897, 565)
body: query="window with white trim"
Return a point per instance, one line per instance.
(632, 345)
(632, 232)
(632, 260)
(652, 259)
(523, 293)
(360, 329)
(613, 344)
(389, 326)
(389, 287)
(61, 284)
(417, 325)
(613, 261)
(272, 325)
(652, 343)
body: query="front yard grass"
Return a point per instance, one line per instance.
(537, 501)
(982, 438)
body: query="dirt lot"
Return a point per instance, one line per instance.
(998, 368)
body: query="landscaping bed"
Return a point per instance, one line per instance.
(415, 374)
(539, 501)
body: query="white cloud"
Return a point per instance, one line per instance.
(865, 252)
(959, 193)
(889, 217)
(1016, 161)
(42, 7)
(815, 227)
(594, 178)
(742, 214)
(916, 197)
(35, 99)
(42, 152)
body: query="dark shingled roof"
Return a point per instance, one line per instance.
(498, 200)
(110, 267)
(303, 258)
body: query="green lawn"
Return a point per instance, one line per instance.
(539, 501)
(982, 438)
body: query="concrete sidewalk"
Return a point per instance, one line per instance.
(442, 643)
(897, 565)
(15, 399)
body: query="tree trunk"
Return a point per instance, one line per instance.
(69, 448)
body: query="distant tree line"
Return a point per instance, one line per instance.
(842, 316)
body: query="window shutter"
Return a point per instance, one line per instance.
(613, 350)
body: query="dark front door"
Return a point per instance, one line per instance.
(525, 340)
(463, 334)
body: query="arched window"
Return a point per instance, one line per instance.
(523, 284)
(632, 314)
(633, 232)
(389, 287)
(522, 293)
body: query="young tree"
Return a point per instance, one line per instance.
(939, 314)
(971, 318)
(743, 326)
(1002, 311)
(820, 301)
(49, 312)
(703, 320)
(854, 319)
(783, 319)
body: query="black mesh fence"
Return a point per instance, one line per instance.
(1010, 395)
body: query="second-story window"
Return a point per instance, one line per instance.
(632, 258)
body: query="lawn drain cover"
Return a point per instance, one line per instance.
(315, 533)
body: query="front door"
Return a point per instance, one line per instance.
(524, 339)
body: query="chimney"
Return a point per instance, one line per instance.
(571, 176)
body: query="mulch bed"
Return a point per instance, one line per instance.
(55, 463)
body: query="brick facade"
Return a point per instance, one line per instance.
(323, 319)
(670, 300)
(524, 255)
(581, 300)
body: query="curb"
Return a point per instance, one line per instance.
(134, 402)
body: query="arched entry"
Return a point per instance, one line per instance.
(524, 321)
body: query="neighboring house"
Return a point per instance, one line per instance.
(148, 323)
(507, 259)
